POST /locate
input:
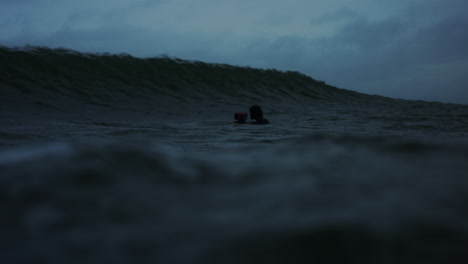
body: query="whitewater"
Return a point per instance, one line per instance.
(107, 158)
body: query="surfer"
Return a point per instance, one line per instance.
(257, 114)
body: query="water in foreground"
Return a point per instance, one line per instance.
(115, 159)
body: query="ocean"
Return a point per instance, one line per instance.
(108, 158)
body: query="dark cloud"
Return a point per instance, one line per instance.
(341, 14)
(400, 49)
(401, 56)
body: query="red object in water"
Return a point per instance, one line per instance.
(241, 117)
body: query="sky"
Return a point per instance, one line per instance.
(411, 49)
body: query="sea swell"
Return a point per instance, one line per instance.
(48, 76)
(319, 198)
(111, 158)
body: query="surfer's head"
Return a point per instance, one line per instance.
(256, 112)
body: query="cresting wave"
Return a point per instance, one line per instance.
(41, 83)
(86, 76)
(47, 77)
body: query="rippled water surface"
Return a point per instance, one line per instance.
(113, 159)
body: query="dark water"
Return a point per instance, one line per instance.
(112, 159)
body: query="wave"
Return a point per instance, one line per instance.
(43, 74)
(300, 201)
(140, 94)
(122, 177)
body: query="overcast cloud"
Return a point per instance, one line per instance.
(415, 49)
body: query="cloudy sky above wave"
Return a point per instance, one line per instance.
(414, 49)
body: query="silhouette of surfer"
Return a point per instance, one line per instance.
(256, 114)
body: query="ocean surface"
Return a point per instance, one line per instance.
(107, 158)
